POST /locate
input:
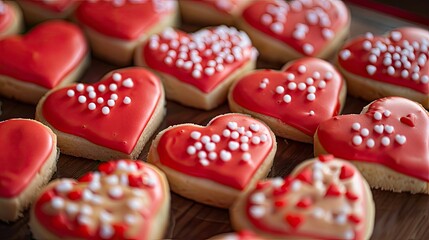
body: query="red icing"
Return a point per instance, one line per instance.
(358, 61)
(7, 16)
(248, 94)
(25, 146)
(338, 18)
(173, 144)
(63, 225)
(224, 6)
(122, 127)
(128, 21)
(302, 210)
(154, 57)
(409, 120)
(36, 57)
(57, 6)
(411, 158)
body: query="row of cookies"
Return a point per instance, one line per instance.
(130, 199)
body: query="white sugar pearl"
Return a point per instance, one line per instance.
(357, 140)
(90, 89)
(232, 125)
(225, 155)
(378, 116)
(256, 140)
(198, 145)
(390, 70)
(372, 58)
(262, 85)
(386, 113)
(356, 126)
(345, 54)
(101, 88)
(264, 138)
(204, 162)
(105, 110)
(210, 147)
(396, 36)
(235, 135)
(389, 129)
(371, 69)
(57, 203)
(367, 45)
(244, 147)
(424, 79)
(212, 155)
(202, 154)
(134, 204)
(80, 87)
(254, 127)
(311, 97)
(191, 150)
(309, 81)
(91, 106)
(266, 80)
(215, 138)
(196, 74)
(113, 87)
(401, 139)
(116, 192)
(287, 98)
(311, 89)
(233, 145)
(385, 141)
(226, 133)
(244, 139)
(379, 129)
(81, 99)
(70, 93)
(257, 211)
(128, 83)
(246, 157)
(370, 143)
(100, 100)
(322, 84)
(64, 186)
(404, 73)
(205, 139)
(302, 69)
(364, 132)
(111, 103)
(280, 89)
(290, 76)
(117, 77)
(127, 100)
(308, 48)
(195, 135)
(291, 86)
(329, 75)
(302, 86)
(92, 95)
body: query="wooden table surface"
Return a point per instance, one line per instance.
(398, 215)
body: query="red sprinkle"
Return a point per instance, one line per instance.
(86, 178)
(333, 191)
(409, 120)
(351, 196)
(75, 195)
(83, 231)
(294, 220)
(304, 203)
(346, 172)
(107, 167)
(354, 218)
(47, 196)
(306, 176)
(135, 180)
(326, 157)
(280, 203)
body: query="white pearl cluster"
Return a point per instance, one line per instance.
(87, 94)
(313, 83)
(239, 140)
(275, 17)
(383, 131)
(395, 57)
(262, 202)
(203, 53)
(159, 6)
(102, 189)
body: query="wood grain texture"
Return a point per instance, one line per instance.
(398, 216)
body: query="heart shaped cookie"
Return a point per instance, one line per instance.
(395, 64)
(213, 164)
(211, 12)
(324, 198)
(388, 142)
(36, 11)
(288, 30)
(32, 64)
(110, 119)
(120, 26)
(124, 200)
(292, 101)
(28, 160)
(197, 69)
(10, 19)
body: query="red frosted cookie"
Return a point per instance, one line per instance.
(197, 69)
(28, 154)
(110, 119)
(288, 30)
(32, 64)
(124, 200)
(388, 142)
(36, 11)
(292, 101)
(115, 28)
(10, 19)
(211, 12)
(395, 64)
(242, 235)
(324, 198)
(213, 164)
